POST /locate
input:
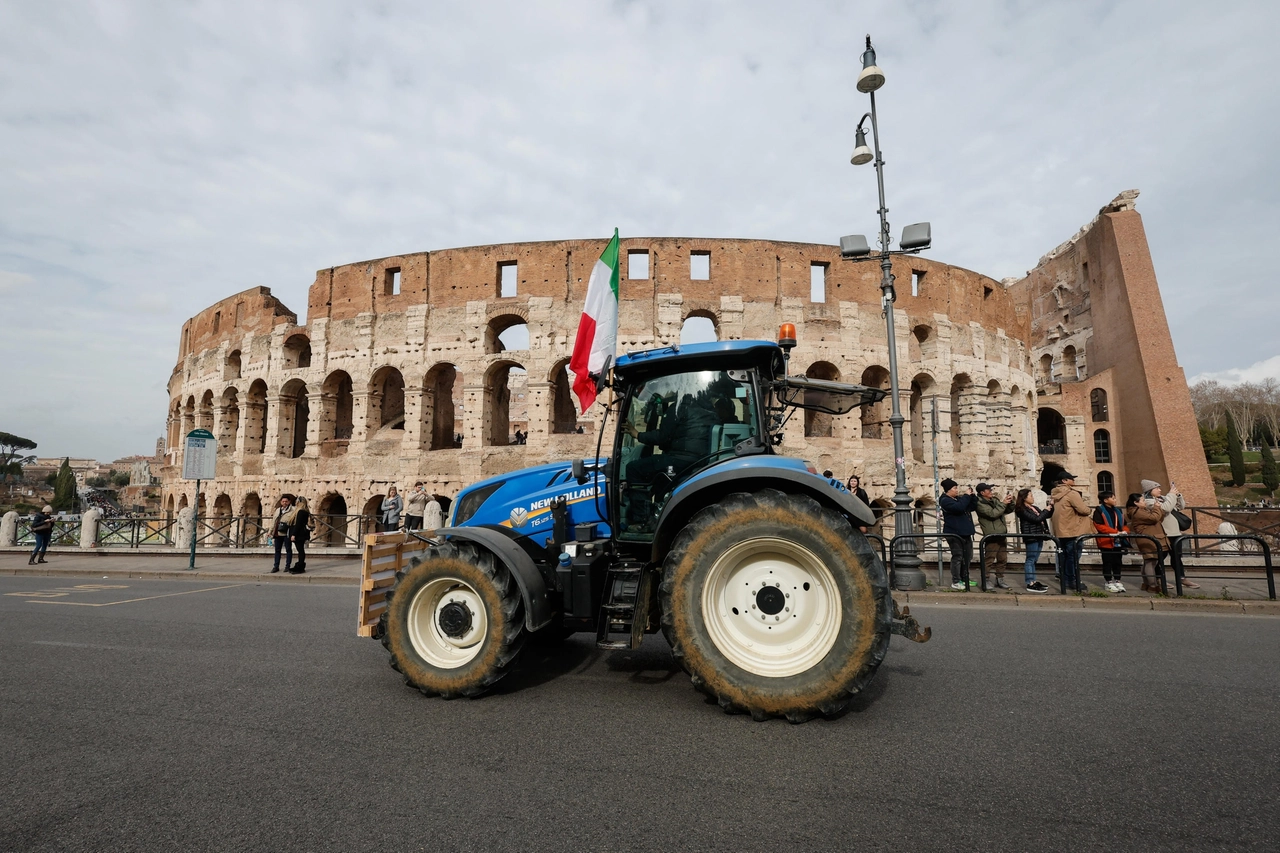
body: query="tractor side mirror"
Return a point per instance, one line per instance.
(580, 471)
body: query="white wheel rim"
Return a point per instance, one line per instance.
(429, 639)
(775, 644)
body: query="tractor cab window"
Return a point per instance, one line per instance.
(673, 427)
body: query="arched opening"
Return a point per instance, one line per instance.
(188, 419)
(1070, 371)
(204, 416)
(820, 424)
(440, 406)
(221, 519)
(337, 409)
(293, 418)
(875, 416)
(182, 502)
(506, 333)
(923, 344)
(921, 412)
(1051, 431)
(505, 391)
(1046, 368)
(1101, 446)
(168, 508)
(1106, 483)
(251, 520)
(175, 425)
(959, 385)
(297, 352)
(699, 327)
(1098, 406)
(372, 512)
(564, 408)
(255, 421)
(332, 510)
(233, 367)
(386, 401)
(229, 426)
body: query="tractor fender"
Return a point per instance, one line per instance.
(538, 611)
(711, 487)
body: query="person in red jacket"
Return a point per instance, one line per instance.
(1108, 518)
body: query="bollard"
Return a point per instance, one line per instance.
(9, 530)
(89, 528)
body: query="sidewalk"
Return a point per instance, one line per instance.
(72, 562)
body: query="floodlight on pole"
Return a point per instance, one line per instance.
(872, 77)
(861, 153)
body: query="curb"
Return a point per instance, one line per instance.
(1071, 602)
(258, 553)
(326, 580)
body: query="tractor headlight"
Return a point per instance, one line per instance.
(470, 503)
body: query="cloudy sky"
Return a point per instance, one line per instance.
(156, 157)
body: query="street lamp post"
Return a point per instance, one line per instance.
(915, 238)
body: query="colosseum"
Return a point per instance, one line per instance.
(450, 366)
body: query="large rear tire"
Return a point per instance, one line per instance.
(455, 623)
(775, 606)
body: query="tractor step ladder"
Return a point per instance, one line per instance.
(625, 609)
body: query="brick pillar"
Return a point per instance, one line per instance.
(315, 414)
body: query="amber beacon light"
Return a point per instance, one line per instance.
(787, 335)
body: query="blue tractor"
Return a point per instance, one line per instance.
(751, 563)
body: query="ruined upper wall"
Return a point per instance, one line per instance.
(252, 311)
(755, 270)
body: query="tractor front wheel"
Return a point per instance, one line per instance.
(775, 605)
(455, 622)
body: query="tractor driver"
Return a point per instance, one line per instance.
(683, 438)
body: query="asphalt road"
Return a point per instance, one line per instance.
(209, 716)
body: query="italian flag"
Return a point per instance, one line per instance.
(598, 328)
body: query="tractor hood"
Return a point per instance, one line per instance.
(521, 501)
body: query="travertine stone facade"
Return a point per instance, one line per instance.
(405, 369)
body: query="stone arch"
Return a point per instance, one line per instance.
(229, 421)
(188, 418)
(297, 351)
(1046, 368)
(563, 406)
(1051, 431)
(175, 425)
(204, 415)
(251, 520)
(875, 416)
(337, 409)
(255, 419)
(372, 512)
(820, 424)
(182, 502)
(1070, 371)
(959, 385)
(232, 368)
(222, 507)
(700, 325)
(439, 406)
(993, 388)
(292, 418)
(507, 332)
(921, 415)
(168, 507)
(332, 509)
(386, 401)
(923, 343)
(500, 392)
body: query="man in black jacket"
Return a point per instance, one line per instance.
(957, 519)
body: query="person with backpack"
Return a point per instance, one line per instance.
(1108, 518)
(42, 527)
(1172, 504)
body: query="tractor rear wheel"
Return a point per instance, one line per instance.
(455, 621)
(775, 605)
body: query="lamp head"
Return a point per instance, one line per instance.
(872, 77)
(861, 153)
(787, 336)
(854, 246)
(916, 237)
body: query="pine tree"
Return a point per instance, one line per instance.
(1270, 476)
(64, 489)
(1235, 453)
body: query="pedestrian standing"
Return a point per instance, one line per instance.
(991, 512)
(1108, 518)
(854, 485)
(1071, 520)
(280, 533)
(416, 507)
(957, 520)
(435, 517)
(1033, 524)
(1169, 502)
(42, 529)
(299, 534)
(392, 505)
(1145, 517)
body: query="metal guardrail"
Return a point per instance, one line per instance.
(1090, 537)
(1179, 572)
(936, 537)
(240, 531)
(1236, 516)
(66, 531)
(882, 544)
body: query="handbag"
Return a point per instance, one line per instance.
(1184, 520)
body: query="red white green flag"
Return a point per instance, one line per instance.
(593, 350)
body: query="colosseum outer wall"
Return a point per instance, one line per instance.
(358, 398)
